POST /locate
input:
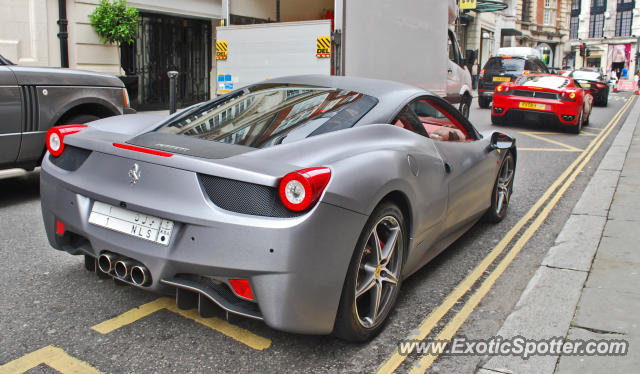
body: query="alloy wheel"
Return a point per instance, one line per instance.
(378, 272)
(505, 184)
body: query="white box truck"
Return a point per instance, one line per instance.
(408, 41)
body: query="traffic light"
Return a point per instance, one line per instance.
(588, 53)
(583, 48)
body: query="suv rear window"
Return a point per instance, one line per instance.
(499, 64)
(265, 115)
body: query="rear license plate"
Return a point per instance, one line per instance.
(586, 85)
(535, 106)
(132, 223)
(501, 79)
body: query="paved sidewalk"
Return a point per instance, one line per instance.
(587, 286)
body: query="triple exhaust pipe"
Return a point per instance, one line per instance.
(124, 268)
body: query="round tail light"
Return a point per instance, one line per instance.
(55, 137)
(301, 189)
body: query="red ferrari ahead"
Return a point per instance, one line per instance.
(542, 98)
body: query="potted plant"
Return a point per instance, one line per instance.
(116, 23)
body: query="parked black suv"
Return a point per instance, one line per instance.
(33, 99)
(504, 69)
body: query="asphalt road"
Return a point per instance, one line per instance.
(50, 306)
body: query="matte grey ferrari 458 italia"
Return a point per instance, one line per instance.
(301, 201)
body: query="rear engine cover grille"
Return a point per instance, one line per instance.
(243, 197)
(539, 95)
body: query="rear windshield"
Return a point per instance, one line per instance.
(590, 75)
(499, 64)
(265, 115)
(544, 81)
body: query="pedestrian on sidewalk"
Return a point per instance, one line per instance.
(613, 79)
(474, 74)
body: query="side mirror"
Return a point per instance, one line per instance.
(501, 141)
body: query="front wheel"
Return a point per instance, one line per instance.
(79, 119)
(465, 106)
(502, 190)
(374, 276)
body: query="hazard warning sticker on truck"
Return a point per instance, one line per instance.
(221, 50)
(323, 48)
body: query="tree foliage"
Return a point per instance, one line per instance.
(115, 22)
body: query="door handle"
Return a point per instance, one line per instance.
(449, 71)
(447, 168)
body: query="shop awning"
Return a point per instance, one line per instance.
(489, 6)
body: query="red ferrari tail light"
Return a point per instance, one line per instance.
(55, 137)
(568, 96)
(600, 85)
(503, 89)
(242, 288)
(301, 189)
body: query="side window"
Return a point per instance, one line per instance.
(438, 123)
(531, 66)
(407, 119)
(543, 67)
(455, 54)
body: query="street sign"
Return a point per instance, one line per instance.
(468, 4)
(323, 46)
(221, 50)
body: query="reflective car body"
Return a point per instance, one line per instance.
(214, 171)
(542, 98)
(595, 83)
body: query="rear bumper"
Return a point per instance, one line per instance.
(296, 266)
(506, 109)
(486, 94)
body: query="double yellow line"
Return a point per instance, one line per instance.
(426, 326)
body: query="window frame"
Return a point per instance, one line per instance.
(595, 20)
(443, 106)
(574, 26)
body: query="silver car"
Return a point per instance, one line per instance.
(301, 201)
(34, 99)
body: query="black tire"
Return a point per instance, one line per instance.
(577, 128)
(349, 325)
(605, 100)
(504, 185)
(465, 106)
(79, 119)
(483, 102)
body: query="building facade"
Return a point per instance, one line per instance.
(610, 30)
(172, 35)
(544, 24)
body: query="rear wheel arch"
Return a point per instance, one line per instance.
(94, 109)
(400, 199)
